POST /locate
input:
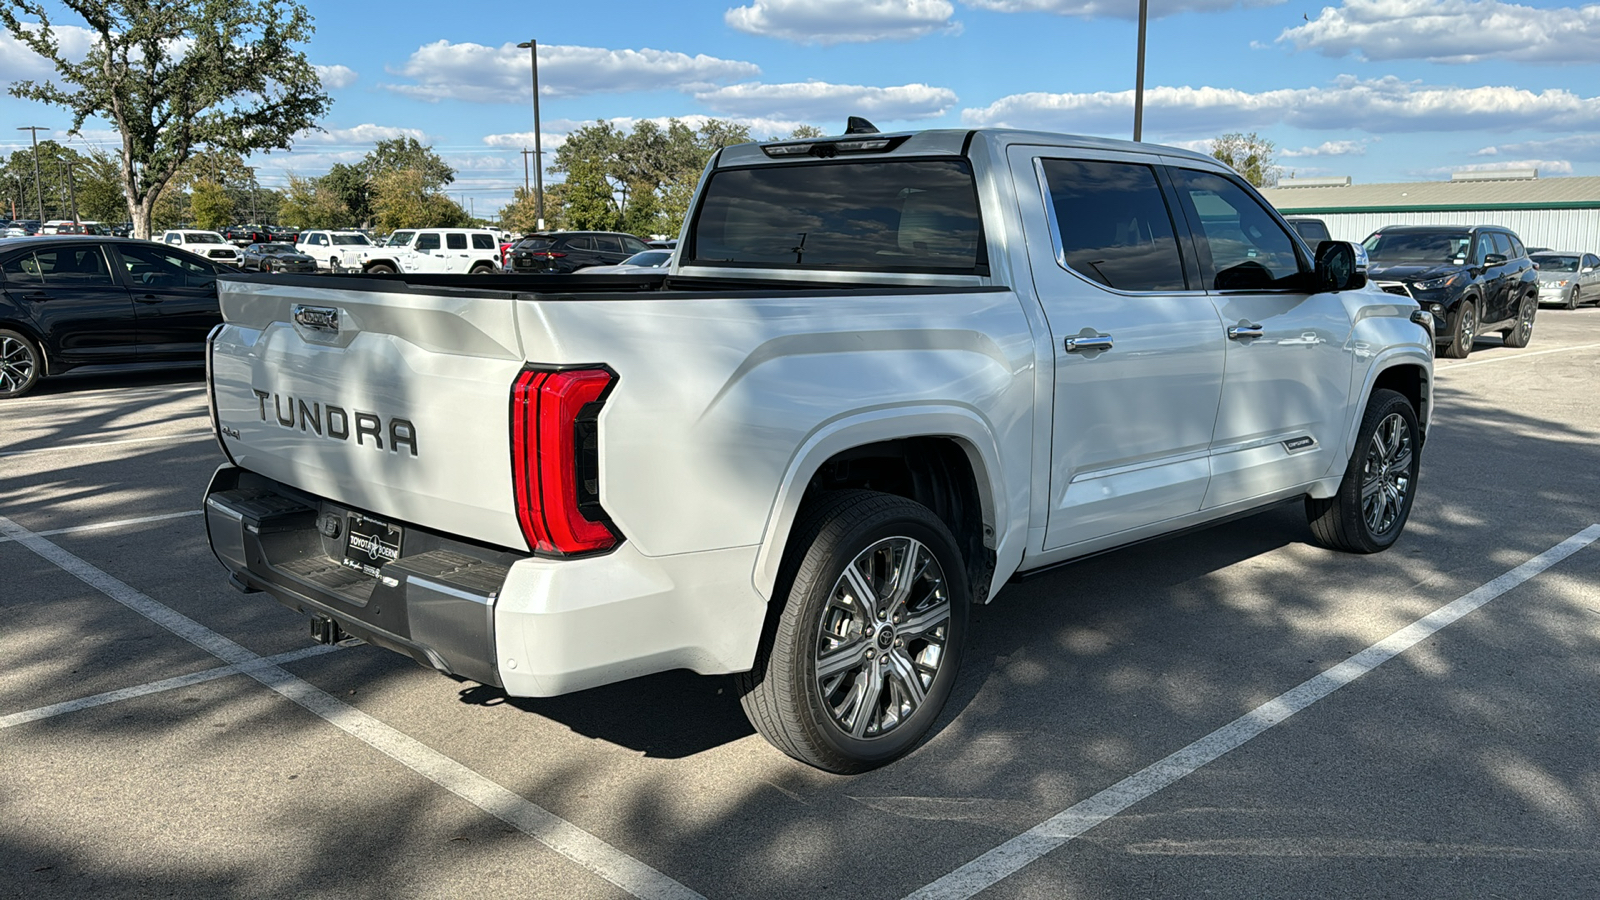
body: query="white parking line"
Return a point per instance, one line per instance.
(156, 687)
(1484, 362)
(63, 448)
(1056, 831)
(559, 835)
(116, 523)
(108, 394)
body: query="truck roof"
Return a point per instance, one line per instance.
(937, 142)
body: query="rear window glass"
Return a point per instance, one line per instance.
(345, 240)
(455, 241)
(904, 215)
(482, 242)
(535, 244)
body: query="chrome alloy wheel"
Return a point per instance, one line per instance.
(882, 637)
(1469, 325)
(17, 364)
(1525, 320)
(1386, 475)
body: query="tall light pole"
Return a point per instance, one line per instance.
(38, 191)
(538, 155)
(1138, 84)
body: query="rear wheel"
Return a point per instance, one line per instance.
(1374, 499)
(20, 364)
(1519, 334)
(864, 652)
(1463, 328)
(481, 269)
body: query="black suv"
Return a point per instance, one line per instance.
(569, 251)
(1474, 279)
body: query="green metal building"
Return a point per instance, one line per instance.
(1558, 213)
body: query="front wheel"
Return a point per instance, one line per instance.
(864, 652)
(1521, 333)
(1463, 328)
(1374, 499)
(1572, 298)
(380, 269)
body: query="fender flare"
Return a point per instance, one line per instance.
(1391, 358)
(960, 424)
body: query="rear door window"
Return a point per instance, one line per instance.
(455, 240)
(482, 242)
(1241, 246)
(154, 267)
(914, 215)
(1112, 225)
(23, 270)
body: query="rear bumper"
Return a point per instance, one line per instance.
(536, 627)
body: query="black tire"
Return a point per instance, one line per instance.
(380, 269)
(1463, 328)
(868, 712)
(21, 364)
(481, 269)
(1384, 465)
(1521, 333)
(1572, 298)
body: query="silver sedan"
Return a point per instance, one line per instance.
(1568, 278)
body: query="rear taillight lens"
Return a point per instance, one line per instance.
(555, 460)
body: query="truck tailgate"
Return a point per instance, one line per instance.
(392, 402)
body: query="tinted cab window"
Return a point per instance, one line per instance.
(1240, 244)
(1113, 225)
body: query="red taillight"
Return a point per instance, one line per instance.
(546, 254)
(555, 460)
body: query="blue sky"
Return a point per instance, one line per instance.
(1381, 90)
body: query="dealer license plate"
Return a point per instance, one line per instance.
(369, 543)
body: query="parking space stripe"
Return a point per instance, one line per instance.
(1011, 856)
(559, 835)
(1497, 359)
(115, 523)
(156, 687)
(63, 448)
(109, 394)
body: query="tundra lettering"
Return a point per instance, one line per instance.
(334, 422)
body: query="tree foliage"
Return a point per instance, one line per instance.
(402, 198)
(407, 153)
(210, 207)
(311, 203)
(176, 77)
(1249, 154)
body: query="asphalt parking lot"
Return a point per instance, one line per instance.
(1231, 713)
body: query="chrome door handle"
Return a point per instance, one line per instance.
(1084, 343)
(1240, 332)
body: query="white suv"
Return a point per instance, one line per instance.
(209, 244)
(436, 251)
(336, 250)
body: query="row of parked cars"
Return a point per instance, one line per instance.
(1473, 279)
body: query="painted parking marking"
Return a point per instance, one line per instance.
(157, 687)
(90, 445)
(115, 523)
(547, 828)
(109, 394)
(1036, 842)
(1485, 362)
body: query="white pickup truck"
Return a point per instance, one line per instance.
(884, 374)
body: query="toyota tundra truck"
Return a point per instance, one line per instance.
(884, 374)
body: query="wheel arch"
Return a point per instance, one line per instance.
(1405, 373)
(26, 329)
(946, 459)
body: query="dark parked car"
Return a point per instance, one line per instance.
(569, 251)
(78, 301)
(1474, 279)
(1312, 231)
(276, 257)
(245, 235)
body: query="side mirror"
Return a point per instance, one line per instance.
(1341, 266)
(1495, 259)
(1587, 269)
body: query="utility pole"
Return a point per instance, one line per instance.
(525, 154)
(1138, 84)
(538, 154)
(38, 190)
(72, 189)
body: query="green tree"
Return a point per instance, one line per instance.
(99, 179)
(353, 188)
(174, 77)
(589, 202)
(1249, 154)
(310, 203)
(642, 215)
(521, 214)
(407, 153)
(401, 198)
(210, 207)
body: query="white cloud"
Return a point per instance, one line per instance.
(1115, 9)
(818, 101)
(1573, 146)
(19, 63)
(446, 71)
(760, 129)
(517, 140)
(844, 21)
(1329, 148)
(360, 134)
(1380, 105)
(1545, 167)
(1451, 31)
(336, 76)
